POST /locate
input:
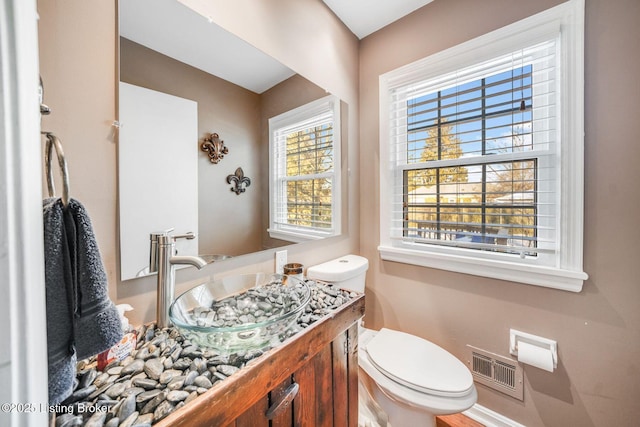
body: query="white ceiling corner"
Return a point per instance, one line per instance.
(364, 17)
(175, 30)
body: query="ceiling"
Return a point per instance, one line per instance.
(364, 17)
(177, 31)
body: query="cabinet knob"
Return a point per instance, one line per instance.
(285, 400)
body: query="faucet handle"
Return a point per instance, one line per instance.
(190, 235)
(154, 235)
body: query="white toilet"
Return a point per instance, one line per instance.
(410, 378)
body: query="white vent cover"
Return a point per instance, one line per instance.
(497, 372)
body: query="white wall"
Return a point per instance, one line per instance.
(23, 354)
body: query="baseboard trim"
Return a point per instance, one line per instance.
(490, 418)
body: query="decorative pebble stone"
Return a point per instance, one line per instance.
(115, 390)
(99, 391)
(113, 422)
(176, 383)
(168, 375)
(176, 396)
(163, 409)
(68, 420)
(97, 419)
(145, 383)
(87, 378)
(199, 365)
(133, 368)
(191, 352)
(147, 395)
(149, 333)
(131, 390)
(220, 376)
(79, 395)
(202, 381)
(182, 364)
(106, 404)
(128, 422)
(143, 420)
(151, 405)
(192, 396)
(227, 370)
(101, 379)
(153, 368)
(127, 407)
(190, 377)
(116, 370)
(175, 355)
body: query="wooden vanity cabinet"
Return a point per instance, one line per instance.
(310, 380)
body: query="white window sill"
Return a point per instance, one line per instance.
(297, 237)
(556, 278)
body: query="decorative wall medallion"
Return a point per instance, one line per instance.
(240, 181)
(214, 147)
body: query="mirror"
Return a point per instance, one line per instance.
(169, 51)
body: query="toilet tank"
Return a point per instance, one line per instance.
(347, 272)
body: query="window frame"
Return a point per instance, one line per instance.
(291, 118)
(566, 23)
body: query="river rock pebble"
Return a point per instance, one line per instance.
(164, 409)
(97, 419)
(127, 407)
(136, 366)
(167, 371)
(128, 422)
(145, 419)
(153, 368)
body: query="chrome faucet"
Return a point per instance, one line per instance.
(163, 261)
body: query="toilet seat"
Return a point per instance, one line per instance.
(418, 364)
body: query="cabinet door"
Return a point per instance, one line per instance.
(321, 393)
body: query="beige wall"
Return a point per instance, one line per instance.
(597, 382)
(78, 64)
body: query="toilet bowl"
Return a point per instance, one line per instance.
(410, 378)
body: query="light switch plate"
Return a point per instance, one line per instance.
(281, 260)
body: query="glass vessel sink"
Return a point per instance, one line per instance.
(241, 313)
(209, 258)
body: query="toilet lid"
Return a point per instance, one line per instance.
(418, 364)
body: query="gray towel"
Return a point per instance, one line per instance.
(98, 326)
(59, 299)
(80, 316)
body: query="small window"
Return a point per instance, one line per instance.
(481, 155)
(305, 172)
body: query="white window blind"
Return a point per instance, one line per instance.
(304, 164)
(482, 154)
(473, 153)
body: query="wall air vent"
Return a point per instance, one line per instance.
(497, 372)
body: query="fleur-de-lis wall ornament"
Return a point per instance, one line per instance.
(240, 181)
(214, 147)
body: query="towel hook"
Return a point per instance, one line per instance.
(54, 143)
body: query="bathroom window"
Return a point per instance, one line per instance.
(305, 172)
(481, 154)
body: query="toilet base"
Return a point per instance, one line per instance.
(397, 413)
